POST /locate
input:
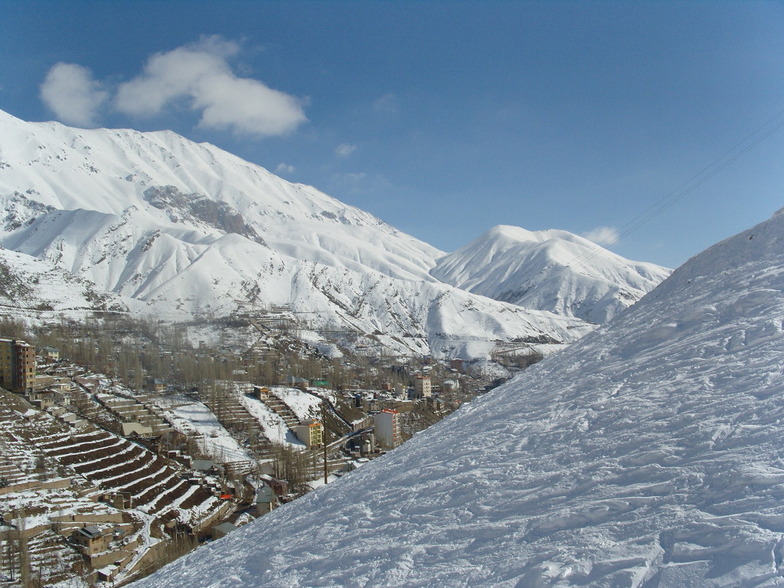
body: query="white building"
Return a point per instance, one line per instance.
(386, 425)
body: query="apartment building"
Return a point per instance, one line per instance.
(386, 425)
(423, 386)
(17, 366)
(310, 432)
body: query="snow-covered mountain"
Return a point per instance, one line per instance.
(187, 229)
(178, 229)
(549, 270)
(650, 453)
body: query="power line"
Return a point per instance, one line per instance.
(694, 182)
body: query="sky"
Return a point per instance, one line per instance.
(654, 128)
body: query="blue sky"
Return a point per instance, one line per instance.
(444, 118)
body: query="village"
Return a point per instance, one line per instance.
(119, 457)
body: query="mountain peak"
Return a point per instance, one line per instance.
(518, 234)
(549, 270)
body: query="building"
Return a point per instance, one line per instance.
(50, 354)
(296, 382)
(219, 531)
(17, 366)
(91, 539)
(311, 433)
(451, 385)
(266, 501)
(386, 425)
(423, 386)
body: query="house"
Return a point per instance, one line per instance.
(399, 391)
(310, 432)
(207, 467)
(91, 539)
(362, 445)
(136, 428)
(62, 396)
(280, 487)
(266, 501)
(43, 399)
(222, 530)
(386, 425)
(118, 499)
(107, 573)
(296, 382)
(17, 366)
(42, 381)
(451, 385)
(50, 354)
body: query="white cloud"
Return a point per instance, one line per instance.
(70, 91)
(196, 76)
(603, 236)
(285, 168)
(388, 103)
(199, 76)
(344, 150)
(349, 181)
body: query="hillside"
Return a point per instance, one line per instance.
(549, 270)
(30, 286)
(647, 454)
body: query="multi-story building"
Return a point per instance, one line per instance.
(17, 366)
(311, 433)
(423, 386)
(386, 425)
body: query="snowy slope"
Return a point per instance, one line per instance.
(187, 229)
(650, 453)
(195, 419)
(29, 285)
(549, 270)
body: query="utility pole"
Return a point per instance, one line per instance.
(324, 435)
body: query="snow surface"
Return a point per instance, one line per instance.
(650, 453)
(178, 229)
(305, 406)
(195, 418)
(272, 425)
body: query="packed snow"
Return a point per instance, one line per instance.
(650, 453)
